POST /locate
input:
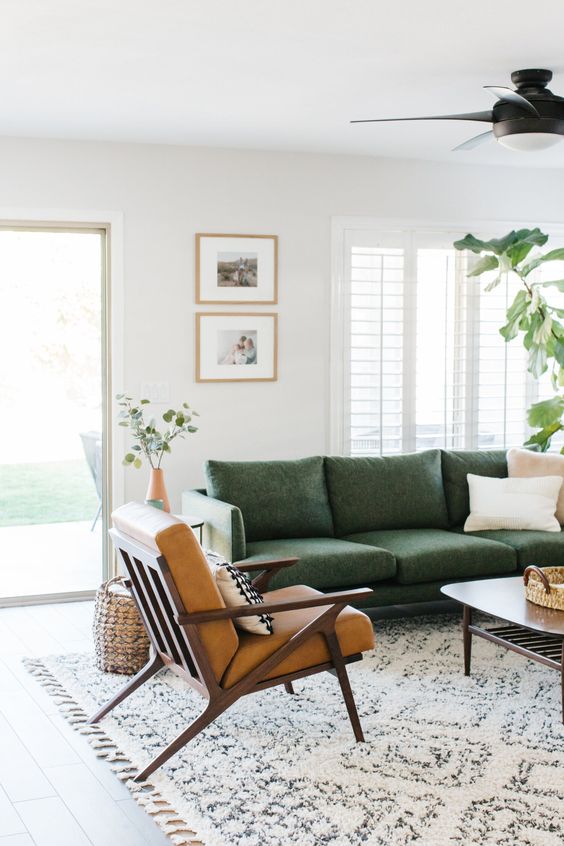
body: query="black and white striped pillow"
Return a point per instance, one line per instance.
(236, 589)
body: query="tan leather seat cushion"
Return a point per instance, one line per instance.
(354, 631)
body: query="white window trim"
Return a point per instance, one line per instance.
(340, 225)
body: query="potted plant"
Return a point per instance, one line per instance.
(530, 315)
(151, 443)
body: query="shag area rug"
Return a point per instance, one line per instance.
(448, 760)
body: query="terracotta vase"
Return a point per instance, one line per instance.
(156, 489)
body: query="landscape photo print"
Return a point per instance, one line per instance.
(234, 269)
(237, 270)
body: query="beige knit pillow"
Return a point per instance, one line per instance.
(513, 503)
(522, 463)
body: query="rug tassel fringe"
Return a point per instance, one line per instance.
(145, 793)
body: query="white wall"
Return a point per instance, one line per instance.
(168, 193)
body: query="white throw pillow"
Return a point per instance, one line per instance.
(236, 589)
(516, 503)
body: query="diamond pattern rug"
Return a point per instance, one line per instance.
(449, 760)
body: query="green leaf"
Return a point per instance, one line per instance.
(559, 352)
(543, 332)
(168, 415)
(185, 405)
(493, 284)
(469, 242)
(555, 283)
(137, 463)
(120, 396)
(486, 263)
(545, 413)
(144, 402)
(192, 429)
(537, 363)
(552, 255)
(543, 437)
(518, 306)
(179, 420)
(123, 423)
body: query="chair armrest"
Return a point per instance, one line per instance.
(223, 529)
(264, 565)
(268, 569)
(340, 598)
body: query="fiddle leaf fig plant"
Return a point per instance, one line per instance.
(152, 443)
(530, 315)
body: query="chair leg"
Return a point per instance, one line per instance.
(151, 667)
(289, 688)
(213, 710)
(342, 675)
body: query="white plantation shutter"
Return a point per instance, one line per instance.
(375, 349)
(424, 363)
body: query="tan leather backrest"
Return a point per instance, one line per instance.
(170, 536)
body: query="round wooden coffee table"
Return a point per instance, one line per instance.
(531, 630)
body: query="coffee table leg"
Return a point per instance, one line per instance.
(467, 638)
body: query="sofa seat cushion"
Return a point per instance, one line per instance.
(393, 492)
(278, 499)
(325, 562)
(354, 632)
(543, 548)
(456, 465)
(425, 555)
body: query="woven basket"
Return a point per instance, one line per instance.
(120, 640)
(545, 586)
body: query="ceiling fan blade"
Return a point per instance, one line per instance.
(475, 141)
(485, 117)
(510, 96)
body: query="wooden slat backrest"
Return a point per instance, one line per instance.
(157, 604)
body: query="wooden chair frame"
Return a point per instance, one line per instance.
(176, 642)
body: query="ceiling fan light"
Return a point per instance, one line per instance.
(526, 142)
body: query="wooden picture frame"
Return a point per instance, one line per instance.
(236, 269)
(236, 347)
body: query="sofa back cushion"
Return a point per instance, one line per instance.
(278, 499)
(393, 492)
(456, 465)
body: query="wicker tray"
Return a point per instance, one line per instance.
(545, 586)
(120, 640)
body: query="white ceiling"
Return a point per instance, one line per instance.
(271, 74)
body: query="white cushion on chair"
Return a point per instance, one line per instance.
(236, 589)
(143, 522)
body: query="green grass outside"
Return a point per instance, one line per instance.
(50, 492)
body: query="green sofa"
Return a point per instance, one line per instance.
(394, 524)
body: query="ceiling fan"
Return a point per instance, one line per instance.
(528, 118)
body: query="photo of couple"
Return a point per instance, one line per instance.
(237, 347)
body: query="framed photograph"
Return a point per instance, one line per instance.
(236, 347)
(237, 269)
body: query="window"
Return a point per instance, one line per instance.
(418, 361)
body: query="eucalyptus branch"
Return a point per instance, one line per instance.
(149, 441)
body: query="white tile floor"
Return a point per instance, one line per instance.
(53, 789)
(50, 558)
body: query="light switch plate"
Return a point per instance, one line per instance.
(157, 392)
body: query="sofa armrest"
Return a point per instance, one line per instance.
(223, 530)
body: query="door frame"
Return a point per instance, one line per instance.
(113, 439)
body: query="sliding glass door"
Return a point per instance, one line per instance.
(52, 396)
